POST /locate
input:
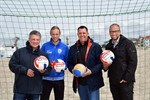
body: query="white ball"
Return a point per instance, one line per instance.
(79, 70)
(107, 57)
(58, 66)
(41, 63)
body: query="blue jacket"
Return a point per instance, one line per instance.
(95, 80)
(54, 52)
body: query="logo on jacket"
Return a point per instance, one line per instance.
(59, 51)
(48, 51)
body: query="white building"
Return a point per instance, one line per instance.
(6, 51)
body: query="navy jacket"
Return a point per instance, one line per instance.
(95, 80)
(19, 63)
(125, 63)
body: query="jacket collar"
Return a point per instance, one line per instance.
(121, 39)
(51, 42)
(89, 44)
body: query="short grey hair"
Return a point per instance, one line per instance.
(35, 32)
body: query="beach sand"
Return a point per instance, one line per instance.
(141, 87)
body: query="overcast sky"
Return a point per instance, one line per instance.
(19, 17)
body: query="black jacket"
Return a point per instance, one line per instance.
(95, 80)
(19, 63)
(125, 63)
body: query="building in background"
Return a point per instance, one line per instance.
(7, 51)
(144, 41)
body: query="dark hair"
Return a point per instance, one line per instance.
(82, 27)
(34, 32)
(114, 24)
(55, 27)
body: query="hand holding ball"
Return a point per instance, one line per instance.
(79, 70)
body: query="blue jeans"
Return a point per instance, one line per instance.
(86, 94)
(22, 96)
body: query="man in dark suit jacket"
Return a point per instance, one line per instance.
(121, 72)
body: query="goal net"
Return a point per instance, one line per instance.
(19, 17)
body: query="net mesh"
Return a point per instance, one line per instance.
(19, 17)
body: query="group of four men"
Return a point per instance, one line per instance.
(33, 84)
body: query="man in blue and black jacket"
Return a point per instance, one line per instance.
(86, 52)
(55, 50)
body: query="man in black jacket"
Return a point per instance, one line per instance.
(28, 80)
(86, 52)
(121, 72)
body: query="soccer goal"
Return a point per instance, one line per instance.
(19, 17)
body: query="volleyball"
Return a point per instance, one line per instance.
(41, 63)
(58, 65)
(107, 57)
(79, 70)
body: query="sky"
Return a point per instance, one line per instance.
(19, 17)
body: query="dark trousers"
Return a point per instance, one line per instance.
(122, 91)
(58, 87)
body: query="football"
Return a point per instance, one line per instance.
(107, 57)
(41, 63)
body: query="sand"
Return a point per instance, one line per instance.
(141, 87)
